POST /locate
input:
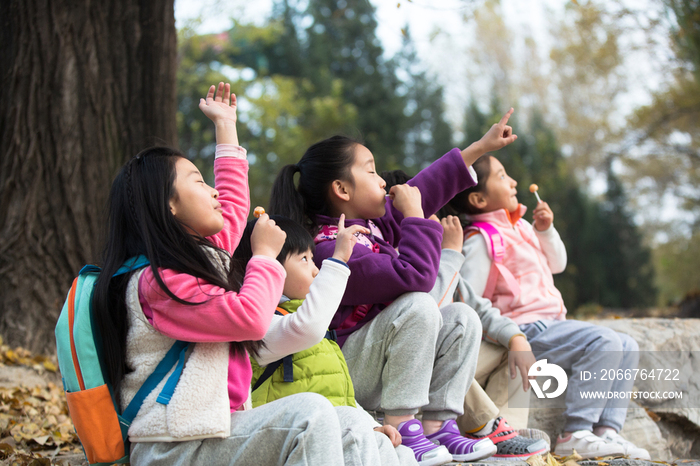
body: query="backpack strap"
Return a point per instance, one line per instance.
(172, 357)
(287, 361)
(496, 250)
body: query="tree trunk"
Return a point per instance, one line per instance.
(84, 85)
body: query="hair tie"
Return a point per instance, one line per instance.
(297, 168)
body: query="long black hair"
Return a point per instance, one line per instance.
(298, 240)
(141, 223)
(460, 205)
(321, 164)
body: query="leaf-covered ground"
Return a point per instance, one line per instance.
(34, 424)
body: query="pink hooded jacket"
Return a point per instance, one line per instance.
(537, 298)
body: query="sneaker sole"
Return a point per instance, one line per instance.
(477, 455)
(520, 457)
(443, 458)
(588, 456)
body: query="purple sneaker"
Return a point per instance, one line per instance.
(427, 453)
(460, 447)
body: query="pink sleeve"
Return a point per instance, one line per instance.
(231, 180)
(222, 316)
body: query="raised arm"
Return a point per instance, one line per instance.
(230, 165)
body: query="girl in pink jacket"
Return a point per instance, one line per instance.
(511, 262)
(161, 208)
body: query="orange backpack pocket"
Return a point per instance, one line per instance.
(97, 424)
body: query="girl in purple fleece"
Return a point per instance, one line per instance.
(403, 353)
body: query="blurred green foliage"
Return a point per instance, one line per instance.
(316, 68)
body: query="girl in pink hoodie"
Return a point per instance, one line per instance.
(511, 262)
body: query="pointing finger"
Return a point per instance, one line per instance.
(341, 223)
(505, 118)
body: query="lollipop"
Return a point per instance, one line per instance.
(258, 212)
(533, 190)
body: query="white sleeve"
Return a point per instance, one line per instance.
(307, 326)
(553, 248)
(477, 263)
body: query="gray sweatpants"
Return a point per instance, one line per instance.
(363, 446)
(302, 429)
(580, 346)
(414, 356)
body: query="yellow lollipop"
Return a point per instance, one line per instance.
(258, 212)
(533, 190)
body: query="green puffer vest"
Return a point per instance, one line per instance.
(320, 369)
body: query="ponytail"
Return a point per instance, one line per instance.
(321, 164)
(285, 199)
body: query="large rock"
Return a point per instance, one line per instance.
(668, 428)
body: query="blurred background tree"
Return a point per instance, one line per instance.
(621, 173)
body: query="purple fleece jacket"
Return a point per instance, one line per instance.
(378, 279)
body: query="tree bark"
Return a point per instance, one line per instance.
(84, 85)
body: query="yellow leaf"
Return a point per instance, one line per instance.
(49, 366)
(573, 457)
(536, 460)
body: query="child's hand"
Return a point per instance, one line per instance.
(407, 200)
(392, 433)
(453, 234)
(346, 239)
(522, 358)
(542, 216)
(220, 107)
(267, 238)
(499, 136)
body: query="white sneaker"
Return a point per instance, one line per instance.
(588, 445)
(631, 450)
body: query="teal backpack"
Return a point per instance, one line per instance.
(101, 427)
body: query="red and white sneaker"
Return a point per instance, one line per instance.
(509, 444)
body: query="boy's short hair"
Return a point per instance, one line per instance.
(298, 240)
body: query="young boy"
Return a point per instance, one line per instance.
(299, 354)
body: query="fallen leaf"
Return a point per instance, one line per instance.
(49, 366)
(41, 440)
(536, 460)
(6, 450)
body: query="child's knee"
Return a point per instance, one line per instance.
(310, 406)
(464, 316)
(609, 340)
(420, 307)
(628, 343)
